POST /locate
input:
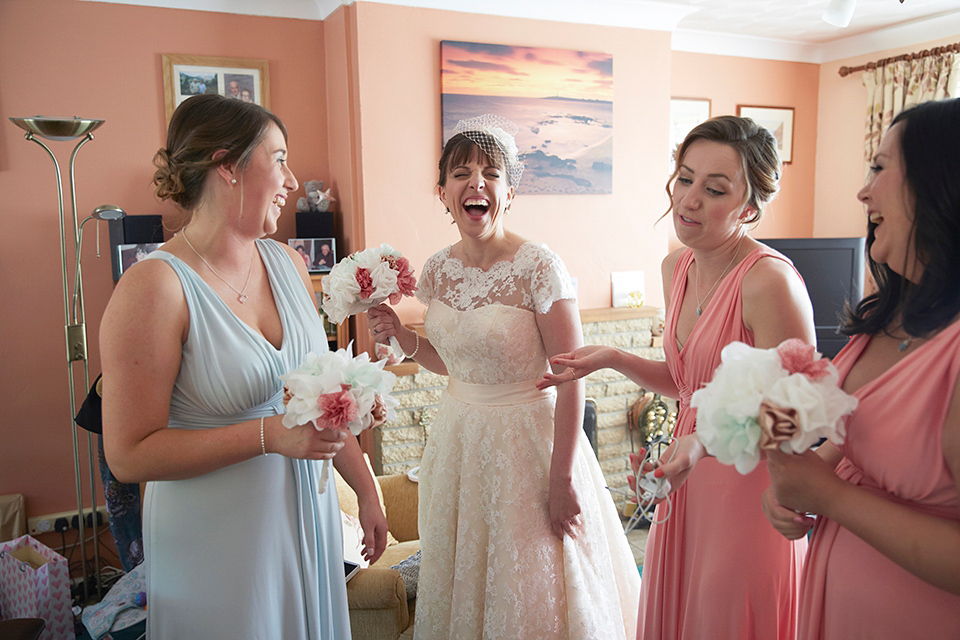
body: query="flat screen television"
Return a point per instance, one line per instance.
(832, 269)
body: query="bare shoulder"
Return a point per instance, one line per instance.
(770, 275)
(670, 263)
(776, 305)
(149, 291)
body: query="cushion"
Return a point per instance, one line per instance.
(348, 499)
(410, 570)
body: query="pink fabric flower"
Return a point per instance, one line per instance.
(338, 408)
(365, 282)
(797, 356)
(406, 282)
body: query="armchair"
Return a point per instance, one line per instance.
(377, 595)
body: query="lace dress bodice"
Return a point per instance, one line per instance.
(483, 323)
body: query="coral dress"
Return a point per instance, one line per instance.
(893, 450)
(249, 551)
(716, 568)
(491, 566)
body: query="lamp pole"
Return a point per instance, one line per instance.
(75, 330)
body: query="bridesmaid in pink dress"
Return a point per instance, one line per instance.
(714, 568)
(885, 552)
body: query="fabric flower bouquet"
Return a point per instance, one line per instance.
(787, 397)
(365, 279)
(334, 390)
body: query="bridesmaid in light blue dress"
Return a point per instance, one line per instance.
(240, 539)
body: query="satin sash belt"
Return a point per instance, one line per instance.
(498, 394)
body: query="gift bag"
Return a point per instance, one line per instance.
(35, 583)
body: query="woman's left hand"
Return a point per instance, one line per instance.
(678, 460)
(374, 525)
(564, 508)
(802, 482)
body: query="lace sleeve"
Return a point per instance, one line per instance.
(550, 281)
(426, 284)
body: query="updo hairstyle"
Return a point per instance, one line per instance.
(757, 149)
(200, 127)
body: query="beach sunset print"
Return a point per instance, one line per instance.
(561, 100)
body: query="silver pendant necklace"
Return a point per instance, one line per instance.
(697, 288)
(241, 296)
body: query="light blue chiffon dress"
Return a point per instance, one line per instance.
(252, 550)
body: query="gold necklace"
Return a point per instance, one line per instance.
(241, 296)
(697, 288)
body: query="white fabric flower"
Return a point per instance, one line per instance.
(728, 407)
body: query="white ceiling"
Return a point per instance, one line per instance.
(774, 29)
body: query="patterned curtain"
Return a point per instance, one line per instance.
(900, 84)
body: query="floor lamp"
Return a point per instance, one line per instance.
(64, 129)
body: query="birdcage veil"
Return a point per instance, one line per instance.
(495, 136)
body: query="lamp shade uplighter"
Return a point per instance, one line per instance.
(839, 12)
(57, 128)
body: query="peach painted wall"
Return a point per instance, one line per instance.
(730, 81)
(105, 64)
(841, 166)
(399, 71)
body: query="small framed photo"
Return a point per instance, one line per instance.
(129, 254)
(685, 114)
(776, 120)
(319, 254)
(241, 78)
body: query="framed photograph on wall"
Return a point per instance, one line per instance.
(241, 78)
(130, 254)
(685, 114)
(319, 254)
(776, 120)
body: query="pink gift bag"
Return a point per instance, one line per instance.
(35, 583)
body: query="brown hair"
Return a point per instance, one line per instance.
(200, 127)
(757, 149)
(460, 148)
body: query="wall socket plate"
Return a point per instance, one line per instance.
(45, 524)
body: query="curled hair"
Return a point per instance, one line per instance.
(757, 149)
(930, 156)
(201, 127)
(460, 148)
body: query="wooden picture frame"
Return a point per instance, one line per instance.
(242, 78)
(778, 121)
(685, 114)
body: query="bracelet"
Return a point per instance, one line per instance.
(415, 349)
(263, 443)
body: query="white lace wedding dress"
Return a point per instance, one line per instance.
(491, 566)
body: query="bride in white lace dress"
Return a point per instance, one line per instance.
(519, 537)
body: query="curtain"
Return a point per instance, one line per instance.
(900, 84)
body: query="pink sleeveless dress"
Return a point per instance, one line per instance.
(892, 449)
(716, 568)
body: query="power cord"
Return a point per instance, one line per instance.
(649, 487)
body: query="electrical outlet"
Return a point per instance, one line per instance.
(47, 523)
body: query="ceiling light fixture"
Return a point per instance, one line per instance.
(839, 12)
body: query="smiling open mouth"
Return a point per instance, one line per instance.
(476, 207)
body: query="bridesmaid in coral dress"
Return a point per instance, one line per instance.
(713, 568)
(885, 551)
